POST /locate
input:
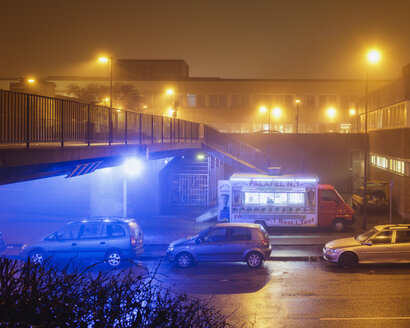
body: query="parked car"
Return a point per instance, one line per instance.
(376, 196)
(223, 242)
(104, 239)
(389, 243)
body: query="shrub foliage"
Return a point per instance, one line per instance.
(46, 296)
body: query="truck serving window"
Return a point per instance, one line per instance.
(297, 198)
(277, 198)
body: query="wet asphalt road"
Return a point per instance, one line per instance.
(297, 294)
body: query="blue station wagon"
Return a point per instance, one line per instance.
(107, 239)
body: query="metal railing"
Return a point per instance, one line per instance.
(28, 118)
(236, 148)
(33, 119)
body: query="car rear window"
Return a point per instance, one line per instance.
(134, 229)
(403, 236)
(115, 230)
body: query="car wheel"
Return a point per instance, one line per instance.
(348, 260)
(339, 225)
(114, 258)
(37, 257)
(254, 260)
(184, 260)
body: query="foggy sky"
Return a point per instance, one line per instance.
(224, 38)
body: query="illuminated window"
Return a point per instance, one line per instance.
(251, 198)
(191, 100)
(393, 165)
(281, 198)
(297, 198)
(266, 198)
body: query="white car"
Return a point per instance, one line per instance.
(388, 243)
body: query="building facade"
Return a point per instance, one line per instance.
(388, 125)
(233, 105)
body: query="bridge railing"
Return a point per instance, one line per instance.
(28, 118)
(235, 147)
(32, 119)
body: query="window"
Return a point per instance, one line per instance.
(69, 232)
(328, 196)
(215, 235)
(251, 198)
(236, 101)
(213, 101)
(191, 100)
(92, 230)
(222, 101)
(383, 237)
(115, 230)
(240, 234)
(403, 236)
(393, 165)
(281, 198)
(297, 198)
(266, 198)
(200, 101)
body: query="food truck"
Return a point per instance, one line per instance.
(282, 201)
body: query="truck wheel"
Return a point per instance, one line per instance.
(339, 225)
(348, 260)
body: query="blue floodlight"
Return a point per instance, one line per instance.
(132, 166)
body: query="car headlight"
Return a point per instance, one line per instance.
(170, 248)
(332, 250)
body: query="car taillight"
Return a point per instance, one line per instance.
(133, 241)
(265, 243)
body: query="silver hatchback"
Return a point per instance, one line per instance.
(223, 242)
(388, 243)
(107, 239)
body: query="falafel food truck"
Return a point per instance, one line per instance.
(282, 201)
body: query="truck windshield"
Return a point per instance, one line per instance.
(366, 235)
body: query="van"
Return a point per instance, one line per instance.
(282, 201)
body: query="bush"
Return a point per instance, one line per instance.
(45, 296)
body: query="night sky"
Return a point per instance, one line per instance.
(224, 38)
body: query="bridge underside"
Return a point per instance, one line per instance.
(18, 165)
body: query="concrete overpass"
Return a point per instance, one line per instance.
(43, 137)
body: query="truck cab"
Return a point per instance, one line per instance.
(332, 209)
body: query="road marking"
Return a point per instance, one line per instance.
(366, 318)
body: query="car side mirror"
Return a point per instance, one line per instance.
(198, 241)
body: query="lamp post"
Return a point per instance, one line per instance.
(105, 60)
(173, 110)
(297, 115)
(373, 57)
(264, 109)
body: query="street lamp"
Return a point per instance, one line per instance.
(173, 110)
(264, 109)
(373, 57)
(105, 60)
(297, 115)
(331, 112)
(352, 114)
